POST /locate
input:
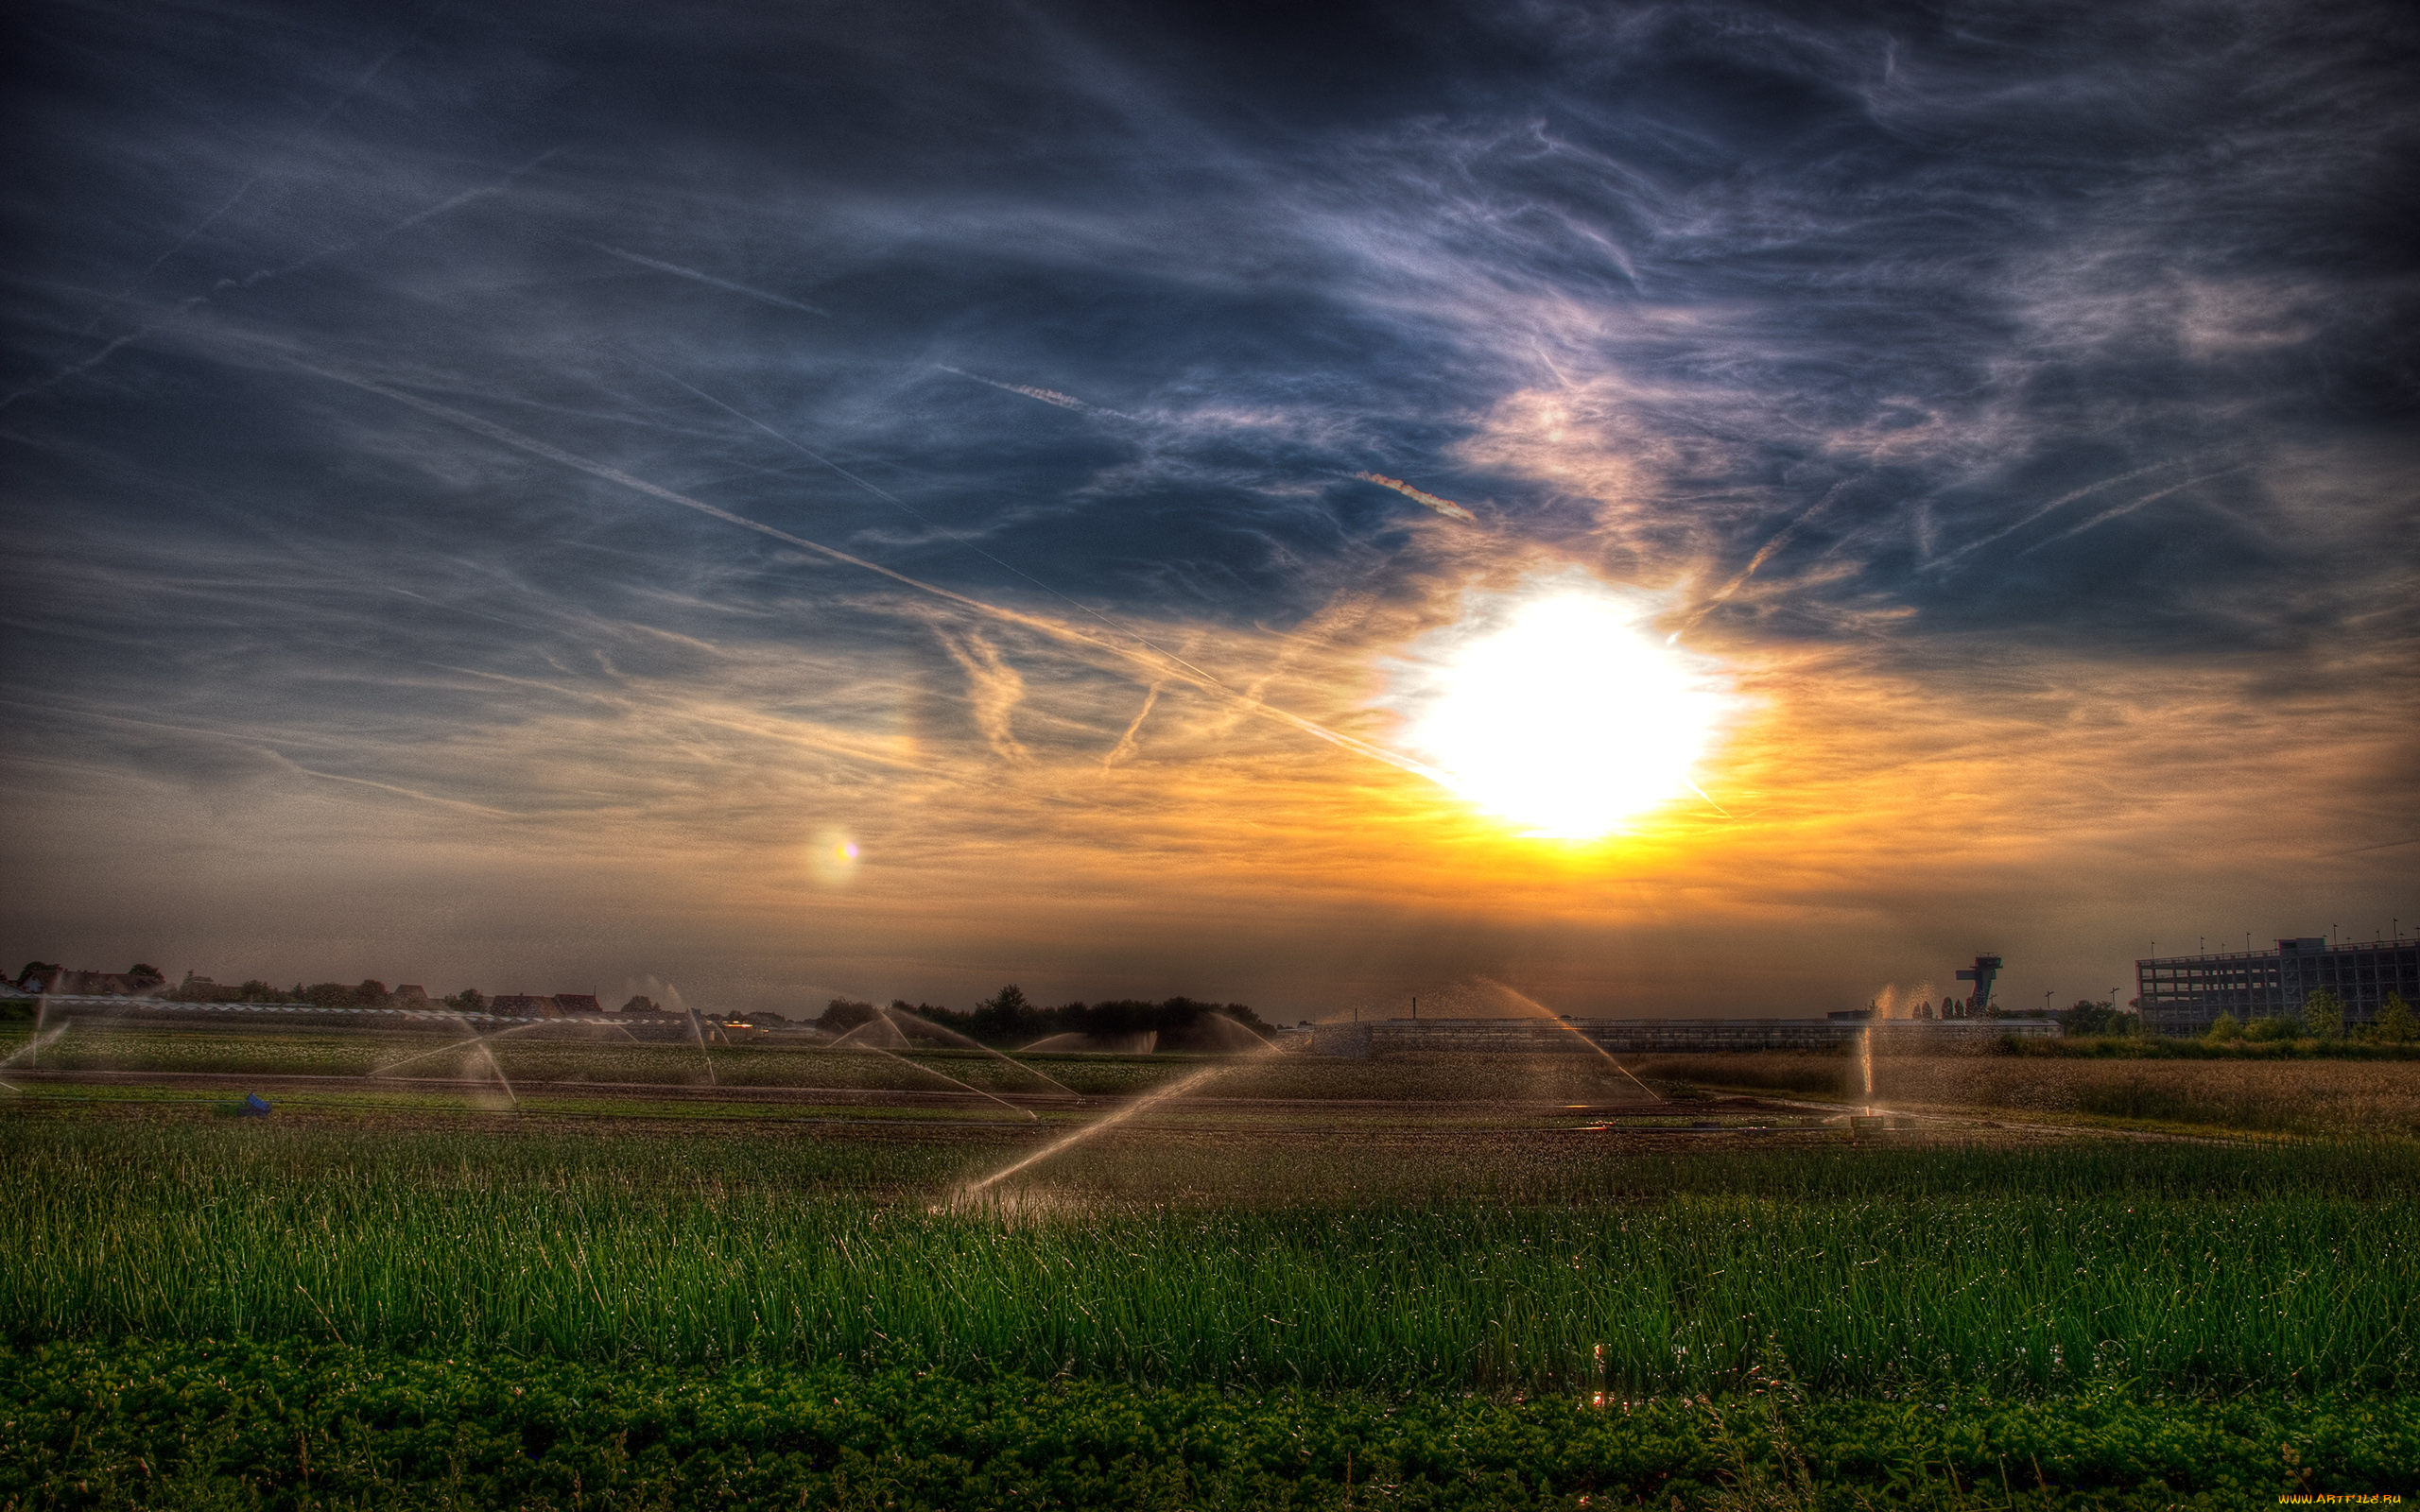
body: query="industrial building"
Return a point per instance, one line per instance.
(2185, 994)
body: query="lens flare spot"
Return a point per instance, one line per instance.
(831, 859)
(1561, 712)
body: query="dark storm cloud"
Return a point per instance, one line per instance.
(1898, 332)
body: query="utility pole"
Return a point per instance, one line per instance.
(1415, 1007)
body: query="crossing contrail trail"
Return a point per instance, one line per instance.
(197, 301)
(919, 516)
(708, 279)
(249, 184)
(1781, 538)
(1158, 664)
(468, 196)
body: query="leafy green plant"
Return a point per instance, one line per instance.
(201, 1423)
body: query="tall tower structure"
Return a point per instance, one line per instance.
(1986, 969)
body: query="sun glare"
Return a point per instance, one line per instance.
(1566, 717)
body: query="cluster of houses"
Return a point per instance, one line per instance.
(145, 982)
(138, 980)
(559, 1006)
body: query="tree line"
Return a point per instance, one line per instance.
(2323, 1018)
(1007, 1019)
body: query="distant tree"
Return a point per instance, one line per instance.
(2323, 1014)
(147, 976)
(36, 973)
(470, 1000)
(1008, 1017)
(370, 994)
(2271, 1028)
(841, 1014)
(2395, 1021)
(2225, 1027)
(1242, 1013)
(2090, 1020)
(934, 1013)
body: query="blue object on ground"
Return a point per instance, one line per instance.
(255, 1105)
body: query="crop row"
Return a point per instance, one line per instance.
(1680, 1292)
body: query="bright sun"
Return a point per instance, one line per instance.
(1566, 717)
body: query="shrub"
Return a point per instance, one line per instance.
(2225, 1027)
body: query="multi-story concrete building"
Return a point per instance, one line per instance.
(2185, 994)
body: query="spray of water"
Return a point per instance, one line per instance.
(852, 1041)
(558, 1024)
(30, 1052)
(1110, 1121)
(478, 1043)
(45, 1035)
(952, 1037)
(1865, 1064)
(1530, 1004)
(697, 1029)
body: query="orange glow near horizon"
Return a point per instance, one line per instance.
(1565, 718)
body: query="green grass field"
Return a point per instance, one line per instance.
(1231, 1302)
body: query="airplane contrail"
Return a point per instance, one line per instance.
(467, 196)
(2129, 507)
(252, 182)
(1129, 742)
(1420, 496)
(197, 301)
(2059, 503)
(1049, 396)
(1159, 664)
(708, 279)
(919, 516)
(1781, 538)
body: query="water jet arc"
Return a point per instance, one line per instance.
(850, 1042)
(1557, 1020)
(1110, 1120)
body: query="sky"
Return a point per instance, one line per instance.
(1653, 510)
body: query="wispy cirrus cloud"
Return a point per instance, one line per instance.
(1996, 401)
